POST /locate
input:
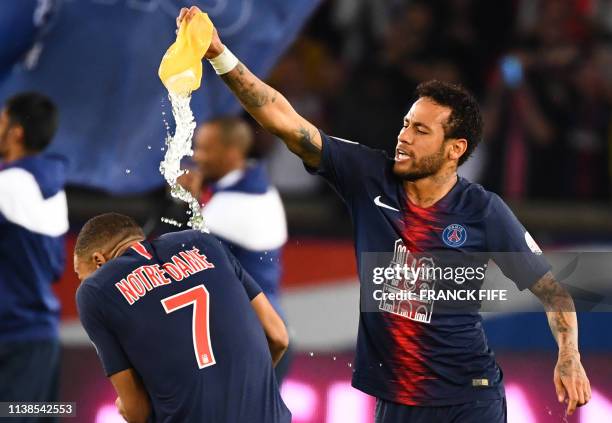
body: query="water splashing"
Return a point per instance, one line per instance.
(177, 147)
(171, 222)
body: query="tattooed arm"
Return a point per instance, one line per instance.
(266, 105)
(275, 114)
(570, 379)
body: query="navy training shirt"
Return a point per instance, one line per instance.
(247, 214)
(177, 310)
(406, 352)
(33, 221)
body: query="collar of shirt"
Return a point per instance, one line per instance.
(229, 179)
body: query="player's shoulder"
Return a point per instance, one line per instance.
(171, 243)
(186, 238)
(477, 199)
(353, 148)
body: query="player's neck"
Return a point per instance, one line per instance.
(124, 245)
(15, 154)
(234, 167)
(428, 191)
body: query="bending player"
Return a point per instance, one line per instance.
(441, 369)
(177, 324)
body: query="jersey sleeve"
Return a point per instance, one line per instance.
(107, 346)
(250, 286)
(512, 247)
(345, 164)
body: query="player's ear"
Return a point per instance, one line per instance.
(457, 148)
(98, 259)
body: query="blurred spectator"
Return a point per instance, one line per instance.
(540, 68)
(240, 206)
(549, 108)
(33, 220)
(309, 77)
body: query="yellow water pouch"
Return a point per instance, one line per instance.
(181, 67)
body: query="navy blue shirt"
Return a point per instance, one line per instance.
(178, 311)
(407, 352)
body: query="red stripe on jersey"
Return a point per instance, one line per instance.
(421, 227)
(140, 249)
(408, 364)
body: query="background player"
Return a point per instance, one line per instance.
(175, 323)
(33, 221)
(402, 362)
(241, 207)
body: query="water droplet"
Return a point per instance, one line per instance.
(148, 147)
(162, 149)
(128, 171)
(334, 358)
(350, 365)
(312, 354)
(171, 222)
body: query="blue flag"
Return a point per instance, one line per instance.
(98, 60)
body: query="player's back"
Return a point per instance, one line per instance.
(179, 307)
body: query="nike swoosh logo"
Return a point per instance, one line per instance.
(381, 204)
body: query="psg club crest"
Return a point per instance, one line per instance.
(454, 235)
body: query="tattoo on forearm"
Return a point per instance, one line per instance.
(251, 92)
(280, 119)
(560, 310)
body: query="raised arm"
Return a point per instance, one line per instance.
(267, 106)
(571, 382)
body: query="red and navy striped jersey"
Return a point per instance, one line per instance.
(412, 352)
(177, 310)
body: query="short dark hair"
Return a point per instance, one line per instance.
(38, 117)
(235, 131)
(465, 120)
(99, 230)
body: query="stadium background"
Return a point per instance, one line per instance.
(541, 69)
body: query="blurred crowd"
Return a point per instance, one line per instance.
(542, 70)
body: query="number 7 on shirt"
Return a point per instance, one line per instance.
(198, 297)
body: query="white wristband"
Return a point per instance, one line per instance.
(224, 62)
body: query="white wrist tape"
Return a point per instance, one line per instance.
(224, 62)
